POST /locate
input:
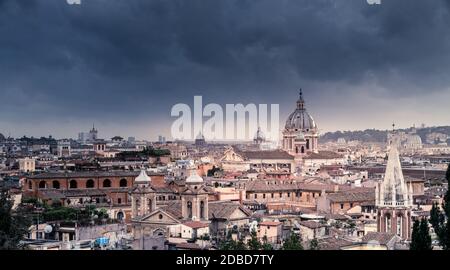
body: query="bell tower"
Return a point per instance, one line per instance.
(393, 199)
(143, 196)
(194, 198)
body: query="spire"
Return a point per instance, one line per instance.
(300, 101)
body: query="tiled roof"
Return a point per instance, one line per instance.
(269, 223)
(353, 196)
(195, 224)
(332, 243)
(264, 186)
(323, 155)
(223, 210)
(382, 238)
(269, 154)
(311, 224)
(89, 174)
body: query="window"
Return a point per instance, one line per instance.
(189, 208)
(119, 200)
(271, 195)
(30, 185)
(281, 195)
(160, 216)
(123, 183)
(73, 184)
(202, 210)
(90, 183)
(351, 205)
(289, 194)
(42, 185)
(106, 183)
(56, 185)
(342, 206)
(256, 196)
(264, 196)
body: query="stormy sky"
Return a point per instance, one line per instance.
(124, 63)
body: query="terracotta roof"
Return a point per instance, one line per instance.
(89, 174)
(332, 243)
(224, 210)
(174, 209)
(191, 246)
(352, 196)
(263, 186)
(269, 154)
(270, 223)
(311, 224)
(195, 224)
(381, 238)
(323, 155)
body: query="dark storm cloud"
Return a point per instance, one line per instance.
(122, 59)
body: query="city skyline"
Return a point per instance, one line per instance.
(365, 66)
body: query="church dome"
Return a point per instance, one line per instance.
(259, 136)
(194, 177)
(143, 178)
(300, 119)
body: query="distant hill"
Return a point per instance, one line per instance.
(374, 135)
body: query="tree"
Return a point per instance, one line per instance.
(421, 239)
(441, 221)
(425, 236)
(265, 244)
(294, 242)
(14, 224)
(253, 243)
(415, 236)
(314, 244)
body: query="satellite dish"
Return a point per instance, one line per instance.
(48, 229)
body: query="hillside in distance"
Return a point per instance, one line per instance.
(374, 135)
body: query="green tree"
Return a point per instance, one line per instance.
(415, 236)
(253, 243)
(14, 224)
(441, 221)
(294, 242)
(421, 239)
(314, 244)
(425, 235)
(265, 244)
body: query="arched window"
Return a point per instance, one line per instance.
(202, 209)
(303, 150)
(73, 184)
(90, 183)
(296, 149)
(42, 185)
(307, 144)
(120, 216)
(106, 183)
(123, 183)
(55, 184)
(189, 208)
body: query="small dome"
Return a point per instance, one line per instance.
(200, 136)
(143, 177)
(194, 177)
(259, 136)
